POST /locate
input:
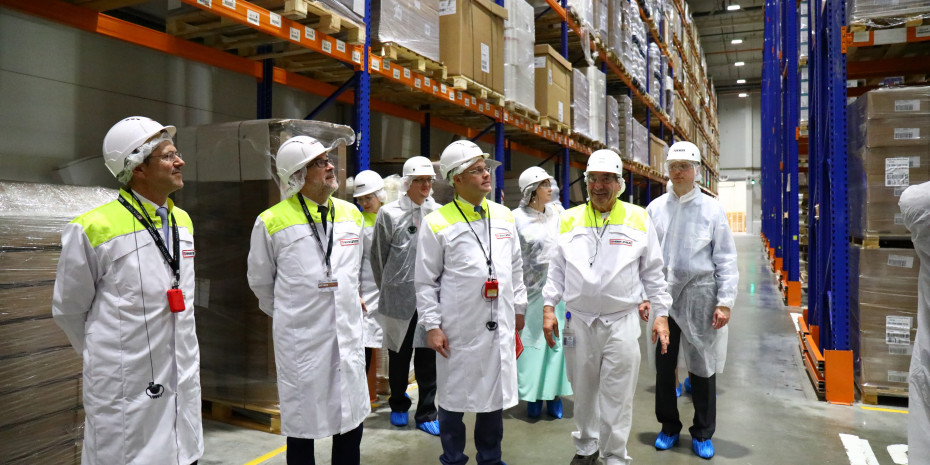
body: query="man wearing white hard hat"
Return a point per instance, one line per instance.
(124, 295)
(369, 194)
(469, 284)
(701, 270)
(542, 375)
(304, 266)
(394, 252)
(607, 257)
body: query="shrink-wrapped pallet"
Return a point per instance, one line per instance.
(613, 124)
(412, 24)
(580, 109)
(519, 41)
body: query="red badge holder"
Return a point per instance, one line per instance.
(176, 300)
(490, 289)
(519, 344)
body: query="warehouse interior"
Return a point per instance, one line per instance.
(788, 102)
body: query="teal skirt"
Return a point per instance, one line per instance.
(541, 370)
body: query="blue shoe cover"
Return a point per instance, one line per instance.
(554, 407)
(400, 418)
(534, 409)
(703, 449)
(688, 385)
(678, 390)
(665, 441)
(431, 427)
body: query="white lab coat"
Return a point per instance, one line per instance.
(108, 263)
(393, 253)
(480, 374)
(369, 288)
(319, 355)
(702, 274)
(915, 208)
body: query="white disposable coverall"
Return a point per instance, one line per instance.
(539, 233)
(319, 354)
(602, 272)
(393, 253)
(369, 288)
(915, 208)
(108, 262)
(480, 374)
(702, 273)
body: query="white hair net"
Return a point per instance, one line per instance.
(295, 183)
(528, 193)
(138, 156)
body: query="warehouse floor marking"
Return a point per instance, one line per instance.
(267, 456)
(879, 409)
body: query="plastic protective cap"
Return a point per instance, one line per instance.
(126, 136)
(419, 166)
(605, 161)
(532, 176)
(683, 151)
(294, 154)
(457, 154)
(367, 182)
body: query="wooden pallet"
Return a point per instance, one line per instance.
(393, 53)
(465, 83)
(518, 109)
(883, 242)
(328, 21)
(871, 394)
(555, 125)
(913, 21)
(257, 417)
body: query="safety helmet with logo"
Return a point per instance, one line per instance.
(418, 166)
(531, 177)
(459, 154)
(367, 182)
(683, 151)
(124, 138)
(294, 154)
(605, 161)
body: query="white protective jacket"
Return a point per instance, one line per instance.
(702, 273)
(369, 288)
(108, 263)
(480, 374)
(915, 208)
(393, 254)
(318, 348)
(603, 269)
(539, 232)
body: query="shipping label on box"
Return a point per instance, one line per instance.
(446, 7)
(485, 58)
(897, 172)
(898, 329)
(901, 261)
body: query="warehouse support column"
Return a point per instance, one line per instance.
(362, 107)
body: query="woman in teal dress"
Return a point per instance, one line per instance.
(541, 370)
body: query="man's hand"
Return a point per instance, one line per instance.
(660, 331)
(644, 310)
(721, 317)
(436, 340)
(550, 325)
(364, 307)
(520, 321)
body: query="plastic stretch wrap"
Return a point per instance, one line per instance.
(580, 108)
(601, 22)
(640, 143)
(40, 376)
(635, 50)
(615, 27)
(889, 149)
(883, 307)
(350, 9)
(613, 124)
(879, 13)
(228, 182)
(597, 91)
(584, 11)
(655, 71)
(625, 120)
(412, 24)
(519, 40)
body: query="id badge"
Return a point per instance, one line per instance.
(568, 341)
(327, 285)
(176, 300)
(490, 289)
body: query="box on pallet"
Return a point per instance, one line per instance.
(412, 24)
(471, 41)
(553, 84)
(597, 106)
(613, 124)
(878, 13)
(519, 40)
(581, 123)
(657, 152)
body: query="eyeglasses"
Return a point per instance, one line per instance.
(478, 171)
(169, 157)
(424, 180)
(320, 163)
(602, 179)
(679, 167)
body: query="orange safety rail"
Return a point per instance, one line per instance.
(794, 294)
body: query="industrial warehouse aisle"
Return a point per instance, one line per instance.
(767, 410)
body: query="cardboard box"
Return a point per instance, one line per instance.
(657, 151)
(553, 78)
(877, 178)
(471, 41)
(896, 102)
(412, 24)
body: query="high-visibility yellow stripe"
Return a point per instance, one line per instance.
(288, 213)
(112, 220)
(267, 456)
(447, 215)
(878, 409)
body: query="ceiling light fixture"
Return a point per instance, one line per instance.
(739, 63)
(740, 81)
(736, 41)
(733, 7)
(743, 95)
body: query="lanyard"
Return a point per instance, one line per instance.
(598, 233)
(316, 235)
(487, 256)
(174, 263)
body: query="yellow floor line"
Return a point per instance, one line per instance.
(877, 409)
(267, 456)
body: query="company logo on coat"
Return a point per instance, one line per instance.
(626, 242)
(187, 253)
(503, 235)
(345, 242)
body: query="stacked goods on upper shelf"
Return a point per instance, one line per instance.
(877, 13)
(601, 17)
(412, 24)
(553, 85)
(581, 123)
(613, 124)
(889, 149)
(625, 120)
(634, 44)
(471, 41)
(616, 38)
(40, 376)
(640, 149)
(657, 153)
(519, 40)
(597, 88)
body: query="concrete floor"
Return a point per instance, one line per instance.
(767, 410)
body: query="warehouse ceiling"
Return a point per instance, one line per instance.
(718, 27)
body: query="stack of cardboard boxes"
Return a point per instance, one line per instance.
(553, 79)
(471, 42)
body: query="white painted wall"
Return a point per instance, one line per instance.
(741, 153)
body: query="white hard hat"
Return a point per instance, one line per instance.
(459, 153)
(683, 151)
(367, 182)
(126, 136)
(418, 166)
(605, 161)
(532, 176)
(294, 154)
